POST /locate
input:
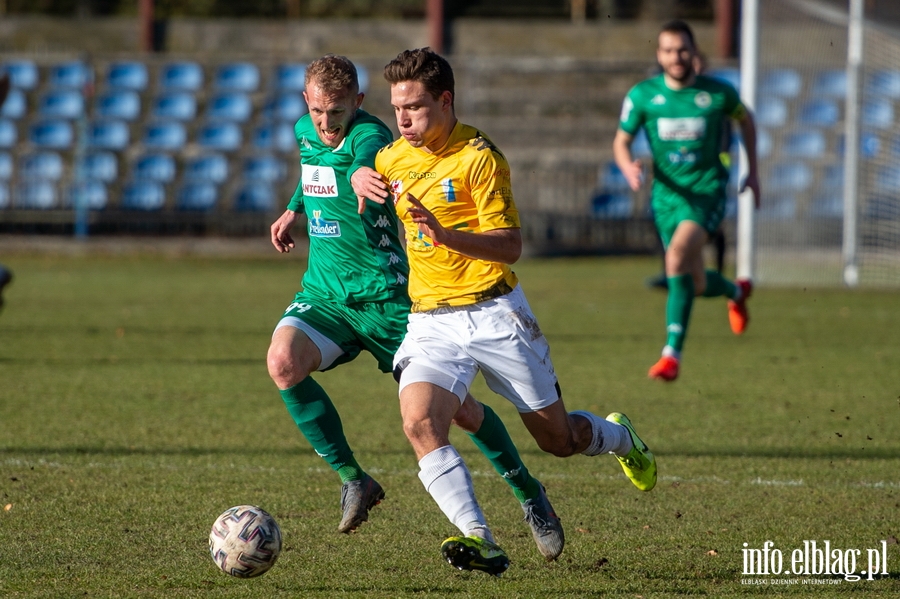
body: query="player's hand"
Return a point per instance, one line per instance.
(427, 222)
(281, 231)
(751, 182)
(634, 174)
(368, 183)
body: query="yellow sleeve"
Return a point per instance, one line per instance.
(492, 189)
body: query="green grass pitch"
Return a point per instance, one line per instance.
(135, 407)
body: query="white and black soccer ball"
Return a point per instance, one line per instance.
(245, 541)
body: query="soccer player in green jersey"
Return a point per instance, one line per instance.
(355, 298)
(683, 115)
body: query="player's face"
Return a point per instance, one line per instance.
(424, 121)
(676, 56)
(331, 112)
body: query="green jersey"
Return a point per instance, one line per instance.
(352, 257)
(684, 128)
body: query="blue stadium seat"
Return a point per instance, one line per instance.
(15, 105)
(164, 135)
(363, 76)
(828, 204)
(154, 167)
(180, 106)
(612, 206)
(887, 179)
(9, 134)
(92, 192)
(819, 113)
(196, 195)
(106, 134)
(267, 169)
(118, 104)
(23, 74)
(229, 106)
(186, 76)
(285, 107)
(778, 207)
(832, 177)
(611, 179)
(869, 144)
(788, 177)
(209, 168)
(878, 113)
(6, 166)
(70, 74)
(99, 166)
(290, 77)
(237, 76)
(221, 137)
(804, 144)
(831, 83)
(255, 198)
(771, 112)
(143, 195)
(35, 195)
(127, 75)
(785, 83)
(640, 145)
(61, 104)
(4, 196)
(51, 134)
(728, 75)
(275, 136)
(45, 166)
(763, 143)
(884, 83)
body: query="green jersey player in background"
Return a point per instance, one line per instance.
(355, 298)
(683, 115)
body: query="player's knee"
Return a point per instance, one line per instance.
(283, 366)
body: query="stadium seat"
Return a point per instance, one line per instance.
(728, 75)
(285, 107)
(884, 83)
(611, 179)
(640, 146)
(208, 168)
(196, 195)
(266, 169)
(53, 134)
(612, 206)
(71, 75)
(819, 113)
(878, 113)
(278, 137)
(92, 192)
(15, 106)
(869, 144)
(255, 198)
(221, 137)
(290, 77)
(154, 167)
(788, 177)
(6, 166)
(118, 104)
(35, 195)
(4, 196)
(99, 166)
(804, 144)
(187, 76)
(785, 83)
(229, 106)
(106, 134)
(771, 112)
(143, 195)
(832, 177)
(127, 75)
(9, 134)
(180, 106)
(778, 207)
(887, 179)
(61, 104)
(363, 76)
(237, 77)
(23, 74)
(164, 135)
(831, 83)
(763, 143)
(830, 204)
(45, 166)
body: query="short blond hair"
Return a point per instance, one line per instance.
(333, 74)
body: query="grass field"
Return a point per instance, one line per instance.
(135, 407)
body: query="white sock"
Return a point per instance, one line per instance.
(671, 352)
(447, 479)
(609, 437)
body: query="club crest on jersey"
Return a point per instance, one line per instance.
(319, 181)
(703, 100)
(322, 227)
(396, 189)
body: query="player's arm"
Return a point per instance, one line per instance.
(631, 168)
(280, 230)
(496, 245)
(748, 133)
(365, 180)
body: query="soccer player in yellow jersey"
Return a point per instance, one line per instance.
(452, 191)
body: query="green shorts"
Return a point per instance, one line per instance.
(670, 209)
(378, 327)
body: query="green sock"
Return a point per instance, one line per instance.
(678, 309)
(494, 442)
(717, 286)
(318, 420)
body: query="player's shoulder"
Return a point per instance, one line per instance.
(478, 144)
(714, 85)
(647, 87)
(365, 124)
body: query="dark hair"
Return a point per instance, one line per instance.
(425, 66)
(333, 74)
(680, 27)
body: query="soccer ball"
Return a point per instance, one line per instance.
(245, 541)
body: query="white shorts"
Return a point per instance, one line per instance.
(499, 337)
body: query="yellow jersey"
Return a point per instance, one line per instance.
(466, 185)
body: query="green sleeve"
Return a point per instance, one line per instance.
(296, 203)
(733, 107)
(631, 119)
(365, 147)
